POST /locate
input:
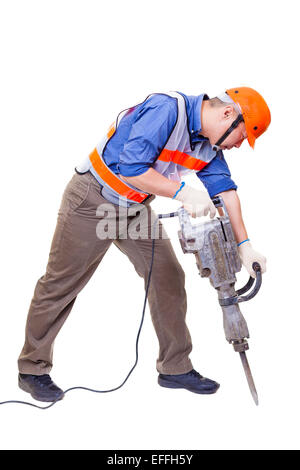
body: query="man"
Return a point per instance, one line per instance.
(145, 152)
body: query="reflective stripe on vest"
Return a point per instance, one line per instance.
(113, 181)
(111, 131)
(182, 159)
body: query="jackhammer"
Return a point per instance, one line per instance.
(217, 258)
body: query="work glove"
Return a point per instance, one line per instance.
(195, 202)
(249, 256)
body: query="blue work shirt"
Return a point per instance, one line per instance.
(144, 131)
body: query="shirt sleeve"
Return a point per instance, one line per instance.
(149, 133)
(216, 176)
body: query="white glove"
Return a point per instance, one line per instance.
(195, 202)
(249, 256)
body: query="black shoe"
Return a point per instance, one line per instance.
(192, 381)
(40, 387)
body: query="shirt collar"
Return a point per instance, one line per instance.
(193, 107)
(196, 107)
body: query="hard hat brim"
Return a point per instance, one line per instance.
(251, 139)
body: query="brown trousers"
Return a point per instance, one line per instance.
(76, 251)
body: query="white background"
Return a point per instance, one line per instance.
(67, 69)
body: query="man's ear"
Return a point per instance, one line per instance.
(228, 112)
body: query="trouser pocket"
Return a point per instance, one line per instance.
(77, 191)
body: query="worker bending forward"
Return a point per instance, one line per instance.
(146, 152)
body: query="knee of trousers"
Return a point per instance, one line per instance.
(171, 275)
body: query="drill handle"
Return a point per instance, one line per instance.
(258, 280)
(243, 298)
(218, 202)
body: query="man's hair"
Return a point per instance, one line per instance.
(216, 102)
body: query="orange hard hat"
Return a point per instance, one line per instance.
(254, 109)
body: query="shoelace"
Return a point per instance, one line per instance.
(194, 373)
(43, 379)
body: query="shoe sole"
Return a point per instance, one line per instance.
(166, 384)
(23, 386)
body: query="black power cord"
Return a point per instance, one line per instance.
(160, 216)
